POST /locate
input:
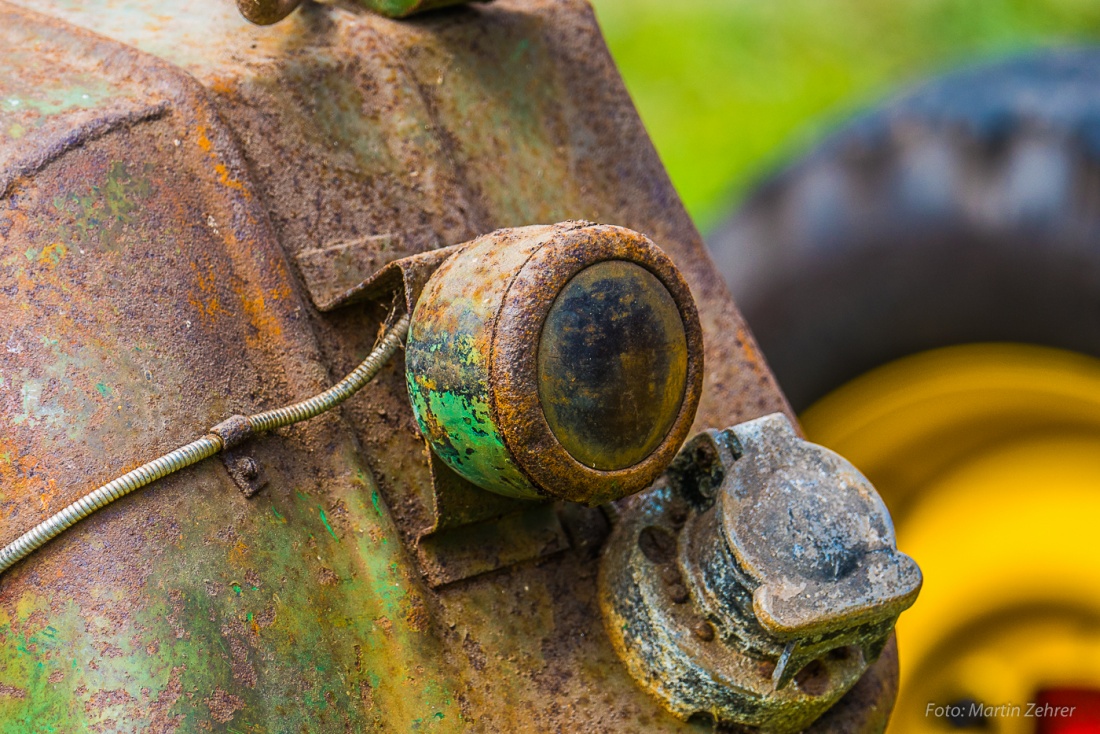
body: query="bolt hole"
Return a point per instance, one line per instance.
(704, 455)
(841, 654)
(813, 679)
(678, 513)
(670, 574)
(766, 668)
(657, 544)
(702, 721)
(703, 630)
(678, 593)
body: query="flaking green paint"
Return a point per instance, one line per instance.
(109, 210)
(29, 102)
(476, 451)
(50, 100)
(403, 8)
(328, 525)
(292, 636)
(447, 363)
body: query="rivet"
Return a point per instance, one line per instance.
(678, 514)
(678, 593)
(703, 630)
(249, 468)
(657, 544)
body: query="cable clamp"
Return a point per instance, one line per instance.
(233, 431)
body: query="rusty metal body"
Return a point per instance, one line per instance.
(184, 198)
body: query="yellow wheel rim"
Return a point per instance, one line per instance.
(988, 457)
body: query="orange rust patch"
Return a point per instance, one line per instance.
(417, 616)
(11, 691)
(202, 140)
(52, 254)
(220, 168)
(19, 474)
(223, 176)
(221, 85)
(260, 317)
(745, 342)
(238, 553)
(209, 306)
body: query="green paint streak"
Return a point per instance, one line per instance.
(402, 8)
(521, 49)
(55, 253)
(107, 211)
(51, 100)
(328, 526)
(103, 389)
(476, 452)
(278, 515)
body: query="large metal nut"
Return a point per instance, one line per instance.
(266, 12)
(757, 582)
(558, 361)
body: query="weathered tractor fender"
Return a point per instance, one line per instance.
(190, 206)
(963, 211)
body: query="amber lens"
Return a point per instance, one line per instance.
(612, 365)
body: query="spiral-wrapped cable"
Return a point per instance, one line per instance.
(204, 448)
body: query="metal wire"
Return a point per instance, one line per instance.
(339, 392)
(204, 448)
(45, 531)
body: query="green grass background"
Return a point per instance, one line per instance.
(731, 88)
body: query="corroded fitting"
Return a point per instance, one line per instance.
(266, 12)
(556, 361)
(757, 581)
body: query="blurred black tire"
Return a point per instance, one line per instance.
(967, 210)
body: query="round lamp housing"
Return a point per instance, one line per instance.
(561, 361)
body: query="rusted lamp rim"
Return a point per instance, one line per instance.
(513, 368)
